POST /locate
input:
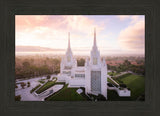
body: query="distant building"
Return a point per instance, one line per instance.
(92, 76)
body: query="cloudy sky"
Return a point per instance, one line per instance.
(116, 34)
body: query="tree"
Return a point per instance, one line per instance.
(26, 64)
(81, 62)
(23, 85)
(48, 76)
(16, 86)
(18, 98)
(127, 63)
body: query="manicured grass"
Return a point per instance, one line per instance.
(42, 81)
(49, 98)
(45, 86)
(31, 91)
(110, 81)
(135, 82)
(114, 73)
(66, 94)
(119, 79)
(84, 95)
(54, 78)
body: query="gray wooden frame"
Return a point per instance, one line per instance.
(149, 8)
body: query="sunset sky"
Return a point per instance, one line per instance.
(116, 34)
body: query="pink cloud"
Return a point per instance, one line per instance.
(59, 22)
(132, 37)
(124, 17)
(47, 30)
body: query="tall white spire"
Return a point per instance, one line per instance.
(68, 40)
(95, 45)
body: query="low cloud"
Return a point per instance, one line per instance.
(132, 37)
(40, 29)
(40, 23)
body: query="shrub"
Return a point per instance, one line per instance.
(48, 76)
(141, 98)
(42, 81)
(16, 86)
(23, 85)
(109, 84)
(128, 88)
(81, 62)
(35, 88)
(100, 97)
(120, 88)
(54, 78)
(123, 85)
(18, 98)
(28, 84)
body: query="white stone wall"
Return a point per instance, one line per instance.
(104, 82)
(76, 83)
(124, 93)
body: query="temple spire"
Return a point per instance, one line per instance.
(68, 40)
(95, 37)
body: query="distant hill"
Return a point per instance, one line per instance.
(35, 49)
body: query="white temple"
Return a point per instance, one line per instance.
(92, 76)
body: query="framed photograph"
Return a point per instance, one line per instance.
(79, 58)
(105, 63)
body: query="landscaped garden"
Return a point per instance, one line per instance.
(41, 81)
(31, 91)
(66, 94)
(45, 86)
(113, 73)
(134, 82)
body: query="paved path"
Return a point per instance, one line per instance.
(50, 91)
(25, 93)
(113, 80)
(122, 73)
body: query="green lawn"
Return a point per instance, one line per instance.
(110, 81)
(66, 94)
(135, 82)
(31, 91)
(119, 79)
(45, 86)
(42, 81)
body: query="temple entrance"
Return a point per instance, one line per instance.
(96, 82)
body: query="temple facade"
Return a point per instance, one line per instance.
(92, 76)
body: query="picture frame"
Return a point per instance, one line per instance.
(70, 7)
